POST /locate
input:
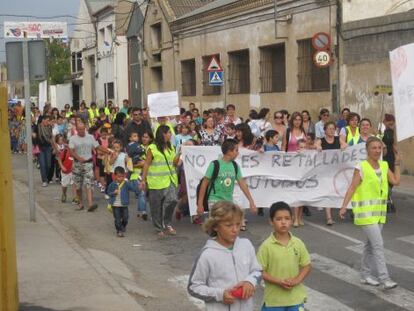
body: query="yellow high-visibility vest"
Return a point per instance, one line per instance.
(93, 113)
(160, 173)
(350, 137)
(369, 202)
(107, 112)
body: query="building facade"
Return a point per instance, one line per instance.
(367, 34)
(100, 52)
(267, 58)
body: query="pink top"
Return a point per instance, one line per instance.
(293, 142)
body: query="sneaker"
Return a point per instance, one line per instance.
(330, 222)
(120, 234)
(92, 207)
(171, 230)
(144, 217)
(102, 189)
(63, 198)
(389, 284)
(370, 281)
(106, 197)
(44, 184)
(197, 221)
(75, 201)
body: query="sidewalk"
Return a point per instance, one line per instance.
(406, 186)
(55, 273)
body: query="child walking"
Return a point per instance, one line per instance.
(221, 186)
(285, 262)
(65, 161)
(118, 192)
(226, 272)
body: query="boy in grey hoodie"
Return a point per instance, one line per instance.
(226, 271)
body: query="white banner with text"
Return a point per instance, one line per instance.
(311, 178)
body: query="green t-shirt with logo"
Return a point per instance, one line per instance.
(224, 183)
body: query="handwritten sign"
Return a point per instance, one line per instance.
(163, 104)
(310, 178)
(402, 72)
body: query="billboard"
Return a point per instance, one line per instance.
(35, 30)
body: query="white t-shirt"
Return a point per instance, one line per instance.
(377, 171)
(120, 161)
(260, 127)
(83, 145)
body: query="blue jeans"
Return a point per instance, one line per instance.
(45, 162)
(14, 144)
(121, 217)
(141, 199)
(300, 307)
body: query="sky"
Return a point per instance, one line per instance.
(36, 9)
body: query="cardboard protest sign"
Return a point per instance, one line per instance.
(163, 104)
(311, 178)
(402, 72)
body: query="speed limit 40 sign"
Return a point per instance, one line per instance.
(322, 59)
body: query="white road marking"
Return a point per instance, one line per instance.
(398, 296)
(407, 239)
(182, 281)
(334, 232)
(392, 258)
(318, 301)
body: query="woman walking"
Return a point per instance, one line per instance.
(160, 175)
(329, 142)
(368, 194)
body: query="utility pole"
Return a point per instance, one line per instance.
(28, 113)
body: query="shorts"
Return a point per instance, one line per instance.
(67, 179)
(83, 174)
(299, 307)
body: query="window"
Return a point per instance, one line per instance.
(188, 77)
(109, 91)
(156, 36)
(239, 72)
(79, 61)
(73, 62)
(273, 68)
(157, 78)
(207, 88)
(310, 77)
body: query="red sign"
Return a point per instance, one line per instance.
(214, 65)
(321, 41)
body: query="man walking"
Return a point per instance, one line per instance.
(81, 146)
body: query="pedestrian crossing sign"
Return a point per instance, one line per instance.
(216, 78)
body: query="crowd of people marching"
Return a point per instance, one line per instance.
(102, 139)
(117, 150)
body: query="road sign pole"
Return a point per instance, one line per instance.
(28, 113)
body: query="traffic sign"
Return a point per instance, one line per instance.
(214, 65)
(322, 59)
(321, 41)
(215, 78)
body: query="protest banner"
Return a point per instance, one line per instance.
(402, 72)
(313, 178)
(163, 104)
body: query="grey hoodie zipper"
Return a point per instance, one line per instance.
(235, 270)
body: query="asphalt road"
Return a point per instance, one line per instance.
(161, 266)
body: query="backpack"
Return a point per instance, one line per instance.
(210, 186)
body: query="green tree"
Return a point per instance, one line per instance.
(58, 62)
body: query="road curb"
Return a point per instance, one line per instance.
(88, 257)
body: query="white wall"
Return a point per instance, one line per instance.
(354, 10)
(121, 70)
(60, 95)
